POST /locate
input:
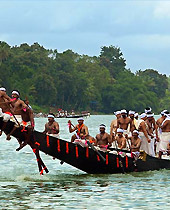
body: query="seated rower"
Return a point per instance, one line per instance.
(52, 127)
(135, 143)
(103, 139)
(168, 148)
(120, 140)
(81, 130)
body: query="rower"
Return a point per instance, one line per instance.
(153, 132)
(5, 111)
(27, 127)
(52, 127)
(113, 125)
(81, 130)
(143, 134)
(18, 105)
(103, 139)
(120, 140)
(131, 115)
(165, 136)
(124, 123)
(159, 130)
(135, 141)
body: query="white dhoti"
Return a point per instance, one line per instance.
(6, 117)
(164, 140)
(144, 143)
(81, 142)
(151, 147)
(16, 119)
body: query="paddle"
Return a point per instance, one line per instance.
(120, 158)
(92, 147)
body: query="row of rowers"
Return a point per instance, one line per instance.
(130, 131)
(14, 109)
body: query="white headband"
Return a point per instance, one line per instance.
(135, 131)
(15, 92)
(3, 89)
(148, 110)
(143, 115)
(150, 115)
(117, 112)
(131, 112)
(80, 118)
(102, 126)
(136, 114)
(119, 130)
(123, 111)
(50, 115)
(163, 112)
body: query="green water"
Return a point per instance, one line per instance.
(21, 186)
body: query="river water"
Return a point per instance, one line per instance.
(21, 186)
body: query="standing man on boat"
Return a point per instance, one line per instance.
(159, 130)
(165, 136)
(113, 125)
(152, 131)
(124, 123)
(143, 134)
(52, 127)
(81, 130)
(103, 139)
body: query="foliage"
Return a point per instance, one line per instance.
(71, 81)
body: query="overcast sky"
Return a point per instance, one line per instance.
(140, 28)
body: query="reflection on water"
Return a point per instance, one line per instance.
(21, 186)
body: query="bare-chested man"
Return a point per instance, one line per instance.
(81, 130)
(145, 140)
(165, 136)
(113, 125)
(5, 111)
(18, 106)
(153, 132)
(120, 139)
(52, 127)
(124, 123)
(131, 115)
(103, 139)
(135, 141)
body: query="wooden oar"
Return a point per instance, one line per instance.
(92, 147)
(120, 159)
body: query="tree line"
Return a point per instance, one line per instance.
(67, 80)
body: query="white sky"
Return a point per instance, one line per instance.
(140, 28)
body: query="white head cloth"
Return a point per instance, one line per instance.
(150, 115)
(163, 112)
(119, 130)
(80, 118)
(148, 110)
(131, 112)
(50, 115)
(136, 114)
(102, 126)
(15, 92)
(123, 111)
(135, 131)
(117, 112)
(3, 89)
(143, 115)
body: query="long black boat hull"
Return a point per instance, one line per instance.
(87, 159)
